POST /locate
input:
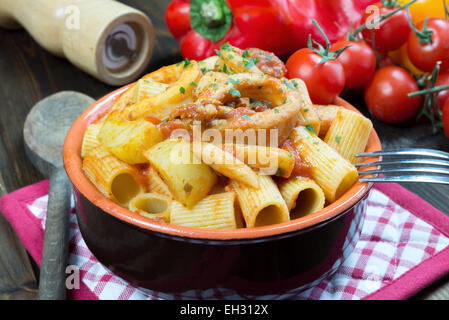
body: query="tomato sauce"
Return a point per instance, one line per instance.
(301, 169)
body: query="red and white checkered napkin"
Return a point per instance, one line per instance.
(403, 247)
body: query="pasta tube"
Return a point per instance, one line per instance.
(156, 184)
(327, 114)
(188, 179)
(263, 206)
(148, 88)
(152, 205)
(349, 134)
(334, 174)
(116, 179)
(208, 64)
(128, 139)
(225, 163)
(216, 211)
(302, 196)
(163, 104)
(90, 139)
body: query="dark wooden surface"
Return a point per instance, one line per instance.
(29, 74)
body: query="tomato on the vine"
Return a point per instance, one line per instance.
(391, 33)
(442, 96)
(358, 61)
(446, 118)
(386, 95)
(324, 81)
(425, 52)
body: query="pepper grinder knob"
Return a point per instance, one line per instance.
(107, 39)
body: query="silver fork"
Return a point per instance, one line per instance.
(406, 165)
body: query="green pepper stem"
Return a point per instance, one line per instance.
(212, 13)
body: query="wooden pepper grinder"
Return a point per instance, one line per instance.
(105, 38)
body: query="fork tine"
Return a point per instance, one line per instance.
(409, 169)
(435, 162)
(408, 178)
(407, 152)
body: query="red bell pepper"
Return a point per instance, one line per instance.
(279, 26)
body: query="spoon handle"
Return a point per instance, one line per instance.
(54, 255)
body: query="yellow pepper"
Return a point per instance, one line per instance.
(426, 8)
(418, 11)
(400, 57)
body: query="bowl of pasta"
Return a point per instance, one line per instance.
(219, 173)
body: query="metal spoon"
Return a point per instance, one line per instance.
(44, 132)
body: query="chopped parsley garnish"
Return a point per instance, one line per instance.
(230, 57)
(285, 101)
(186, 62)
(306, 110)
(225, 68)
(213, 85)
(337, 139)
(276, 110)
(295, 83)
(234, 81)
(290, 154)
(310, 128)
(245, 116)
(182, 90)
(288, 84)
(225, 46)
(218, 52)
(203, 70)
(235, 92)
(245, 53)
(315, 142)
(193, 83)
(249, 63)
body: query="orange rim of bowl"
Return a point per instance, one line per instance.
(73, 166)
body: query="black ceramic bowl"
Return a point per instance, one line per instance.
(173, 259)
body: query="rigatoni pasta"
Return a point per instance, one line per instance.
(114, 178)
(90, 139)
(263, 206)
(188, 179)
(302, 195)
(162, 151)
(334, 174)
(156, 184)
(216, 211)
(349, 134)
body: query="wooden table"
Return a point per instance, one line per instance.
(28, 74)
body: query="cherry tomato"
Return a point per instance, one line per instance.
(386, 95)
(385, 61)
(324, 82)
(425, 56)
(177, 17)
(391, 33)
(446, 118)
(442, 96)
(358, 61)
